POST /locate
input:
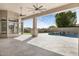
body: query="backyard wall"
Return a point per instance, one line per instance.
(67, 29)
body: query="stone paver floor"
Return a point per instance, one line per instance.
(60, 44)
(13, 47)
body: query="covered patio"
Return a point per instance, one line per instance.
(14, 42)
(13, 15)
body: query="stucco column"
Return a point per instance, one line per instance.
(14, 28)
(34, 30)
(19, 26)
(22, 28)
(78, 42)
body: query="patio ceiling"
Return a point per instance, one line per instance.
(64, 7)
(15, 7)
(50, 8)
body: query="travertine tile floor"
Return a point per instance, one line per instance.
(13, 47)
(67, 46)
(39, 46)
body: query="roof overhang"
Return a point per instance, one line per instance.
(57, 9)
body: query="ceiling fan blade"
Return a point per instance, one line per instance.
(37, 5)
(40, 6)
(34, 6)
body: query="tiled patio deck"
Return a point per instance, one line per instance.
(32, 47)
(13, 47)
(64, 45)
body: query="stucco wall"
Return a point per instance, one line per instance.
(67, 29)
(3, 15)
(7, 15)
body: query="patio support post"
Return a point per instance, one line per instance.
(35, 30)
(19, 26)
(22, 28)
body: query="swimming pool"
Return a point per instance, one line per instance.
(72, 35)
(66, 35)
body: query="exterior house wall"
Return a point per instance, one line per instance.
(12, 16)
(3, 16)
(7, 15)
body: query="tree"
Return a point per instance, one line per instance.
(66, 19)
(52, 26)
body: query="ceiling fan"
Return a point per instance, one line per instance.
(37, 7)
(21, 11)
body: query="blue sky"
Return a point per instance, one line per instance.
(42, 22)
(46, 21)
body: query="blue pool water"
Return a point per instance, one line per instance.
(66, 35)
(72, 35)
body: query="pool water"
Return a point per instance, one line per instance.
(66, 35)
(72, 35)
